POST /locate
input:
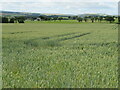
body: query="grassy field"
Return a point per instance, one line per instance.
(60, 55)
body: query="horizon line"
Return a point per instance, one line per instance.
(53, 13)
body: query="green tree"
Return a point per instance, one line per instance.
(75, 17)
(11, 20)
(96, 18)
(100, 18)
(110, 19)
(92, 19)
(80, 19)
(47, 18)
(55, 18)
(5, 20)
(118, 19)
(0, 19)
(85, 19)
(20, 19)
(43, 17)
(60, 18)
(33, 18)
(69, 17)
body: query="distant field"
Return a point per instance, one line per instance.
(60, 55)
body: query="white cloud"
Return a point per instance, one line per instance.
(59, 1)
(62, 7)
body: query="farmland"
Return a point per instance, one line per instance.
(60, 55)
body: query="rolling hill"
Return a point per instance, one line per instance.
(11, 13)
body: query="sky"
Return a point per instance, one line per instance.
(61, 6)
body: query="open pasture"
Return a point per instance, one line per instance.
(60, 55)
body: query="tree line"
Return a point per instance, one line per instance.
(80, 19)
(21, 19)
(96, 18)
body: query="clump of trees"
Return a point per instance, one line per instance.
(20, 19)
(55, 18)
(44, 18)
(93, 19)
(100, 19)
(110, 19)
(60, 18)
(47, 18)
(4, 20)
(12, 20)
(85, 19)
(118, 19)
(80, 19)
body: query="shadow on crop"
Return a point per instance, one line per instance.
(45, 38)
(18, 32)
(77, 36)
(43, 42)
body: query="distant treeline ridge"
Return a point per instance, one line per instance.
(21, 19)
